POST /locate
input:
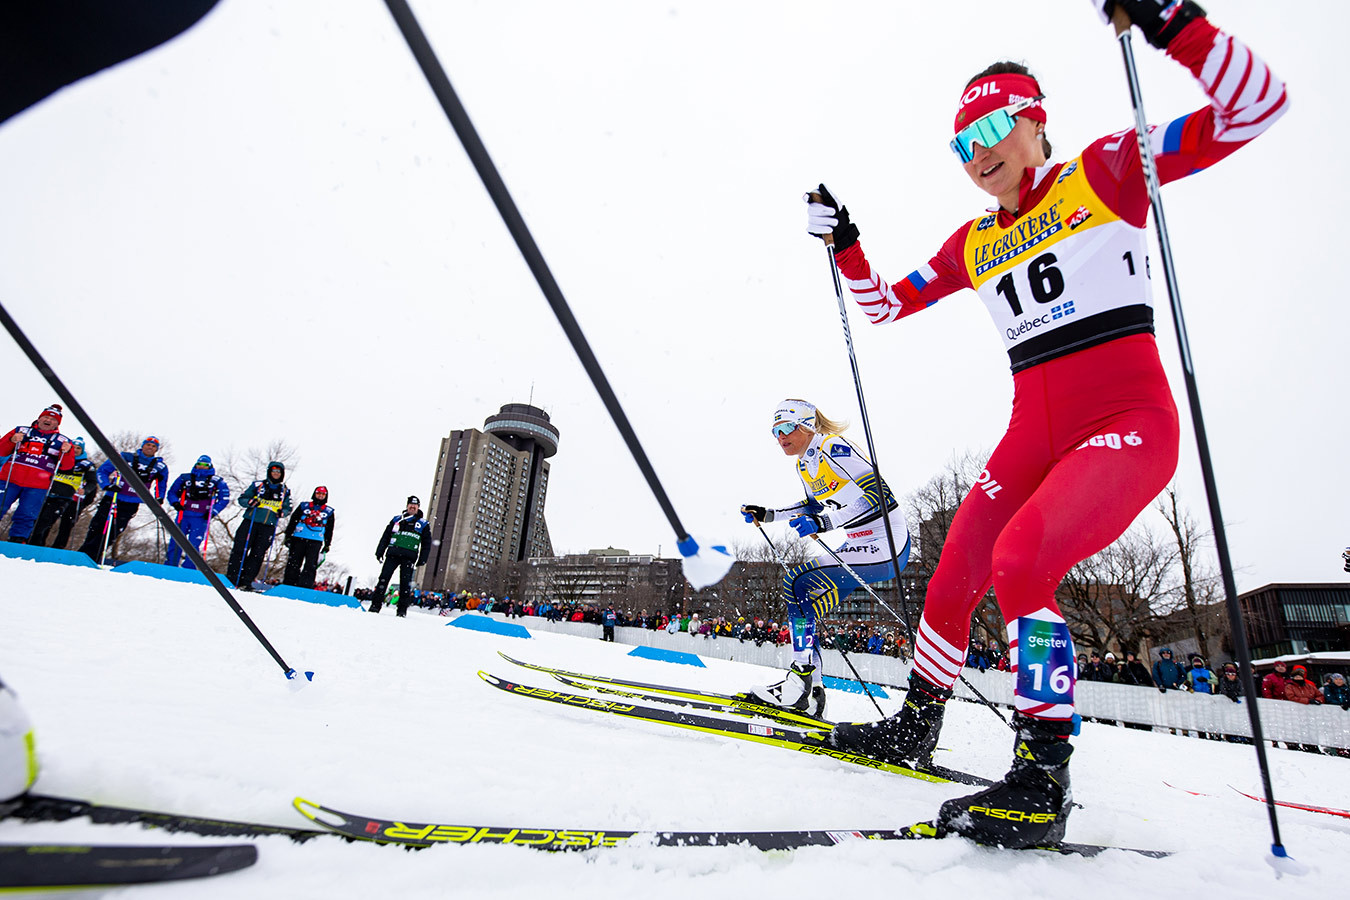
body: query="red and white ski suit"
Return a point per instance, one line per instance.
(1093, 435)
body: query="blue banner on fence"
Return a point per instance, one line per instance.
(479, 622)
(670, 656)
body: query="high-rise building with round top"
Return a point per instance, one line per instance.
(487, 499)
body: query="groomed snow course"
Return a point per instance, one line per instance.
(151, 693)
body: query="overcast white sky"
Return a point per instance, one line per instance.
(267, 229)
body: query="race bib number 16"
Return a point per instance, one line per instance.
(1045, 664)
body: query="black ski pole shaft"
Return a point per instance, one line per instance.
(515, 223)
(1202, 442)
(131, 478)
(867, 587)
(867, 434)
(842, 651)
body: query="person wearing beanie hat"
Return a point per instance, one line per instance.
(1060, 262)
(405, 543)
(198, 495)
(120, 501)
(842, 499)
(71, 494)
(1300, 689)
(34, 454)
(1230, 685)
(1272, 686)
(308, 535)
(266, 502)
(1200, 678)
(1337, 691)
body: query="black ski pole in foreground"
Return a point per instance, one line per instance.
(1244, 656)
(515, 223)
(130, 477)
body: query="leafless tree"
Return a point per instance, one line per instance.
(1199, 591)
(1119, 595)
(931, 507)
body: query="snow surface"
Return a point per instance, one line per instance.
(152, 693)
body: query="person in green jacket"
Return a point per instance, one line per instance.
(405, 543)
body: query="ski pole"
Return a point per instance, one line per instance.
(1122, 24)
(111, 497)
(458, 117)
(842, 652)
(867, 431)
(867, 587)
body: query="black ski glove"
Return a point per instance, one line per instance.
(1147, 15)
(826, 216)
(756, 514)
(1161, 689)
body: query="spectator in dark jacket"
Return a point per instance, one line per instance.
(405, 543)
(265, 503)
(1133, 672)
(1098, 670)
(1337, 692)
(1166, 673)
(1230, 685)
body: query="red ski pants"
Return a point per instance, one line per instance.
(1092, 441)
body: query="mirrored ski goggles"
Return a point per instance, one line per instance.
(988, 130)
(783, 429)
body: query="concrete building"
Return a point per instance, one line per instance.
(632, 582)
(487, 499)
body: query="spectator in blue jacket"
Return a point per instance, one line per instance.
(874, 642)
(1166, 673)
(120, 500)
(1337, 691)
(608, 620)
(199, 496)
(308, 535)
(1199, 677)
(265, 502)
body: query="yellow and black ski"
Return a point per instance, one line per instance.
(426, 834)
(813, 742)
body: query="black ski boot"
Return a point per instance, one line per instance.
(906, 738)
(1030, 806)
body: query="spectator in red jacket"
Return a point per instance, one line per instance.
(1299, 689)
(1272, 686)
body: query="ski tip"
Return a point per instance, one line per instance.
(313, 811)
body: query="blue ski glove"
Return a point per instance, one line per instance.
(808, 524)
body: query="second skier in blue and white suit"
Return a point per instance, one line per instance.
(843, 496)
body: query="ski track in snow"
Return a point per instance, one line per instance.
(151, 693)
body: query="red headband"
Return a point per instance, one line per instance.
(996, 92)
